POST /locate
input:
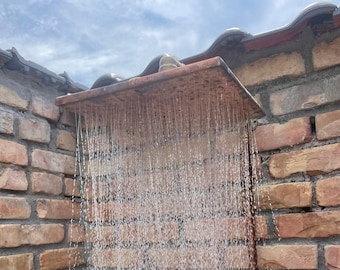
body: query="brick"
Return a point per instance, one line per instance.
(207, 175)
(309, 225)
(332, 257)
(256, 165)
(12, 152)
(112, 211)
(184, 258)
(6, 122)
(327, 191)
(120, 258)
(221, 229)
(34, 130)
(101, 235)
(44, 108)
(129, 162)
(271, 68)
(76, 233)
(11, 179)
(11, 98)
(61, 258)
(326, 54)
(213, 201)
(147, 183)
(53, 162)
(305, 96)
(261, 228)
(148, 232)
(58, 209)
(196, 149)
(236, 257)
(72, 187)
(95, 143)
(15, 235)
(125, 140)
(68, 118)
(287, 195)
(66, 140)
(275, 136)
(195, 203)
(19, 261)
(121, 164)
(46, 183)
(99, 190)
(314, 161)
(327, 125)
(287, 257)
(226, 142)
(14, 208)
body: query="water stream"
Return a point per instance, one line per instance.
(166, 182)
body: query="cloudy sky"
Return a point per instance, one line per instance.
(87, 38)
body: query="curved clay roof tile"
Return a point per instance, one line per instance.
(228, 37)
(289, 31)
(236, 37)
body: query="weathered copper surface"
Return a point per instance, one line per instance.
(200, 79)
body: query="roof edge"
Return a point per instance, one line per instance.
(12, 60)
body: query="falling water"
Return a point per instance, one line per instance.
(166, 182)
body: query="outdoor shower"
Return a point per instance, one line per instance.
(167, 163)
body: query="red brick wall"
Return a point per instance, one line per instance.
(299, 145)
(299, 193)
(37, 145)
